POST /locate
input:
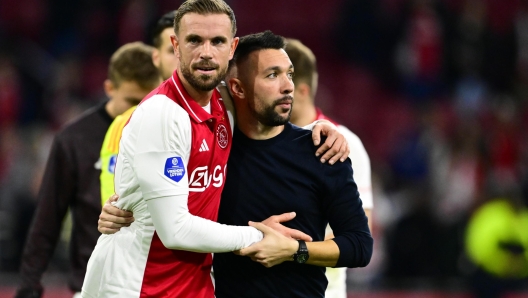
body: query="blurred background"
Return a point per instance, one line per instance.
(436, 90)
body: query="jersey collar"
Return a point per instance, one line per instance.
(195, 111)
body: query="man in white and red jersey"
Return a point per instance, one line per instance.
(170, 172)
(305, 111)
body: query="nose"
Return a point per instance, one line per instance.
(287, 85)
(206, 51)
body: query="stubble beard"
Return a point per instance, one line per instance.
(202, 82)
(270, 117)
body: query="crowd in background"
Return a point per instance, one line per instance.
(436, 90)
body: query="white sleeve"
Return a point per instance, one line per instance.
(311, 125)
(361, 166)
(164, 143)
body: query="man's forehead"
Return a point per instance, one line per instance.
(205, 24)
(269, 58)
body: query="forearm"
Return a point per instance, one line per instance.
(323, 253)
(178, 229)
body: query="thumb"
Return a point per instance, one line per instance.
(261, 227)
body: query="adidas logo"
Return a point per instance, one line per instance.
(204, 146)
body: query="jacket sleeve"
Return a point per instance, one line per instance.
(56, 192)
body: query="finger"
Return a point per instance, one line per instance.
(316, 134)
(339, 154)
(116, 219)
(342, 154)
(328, 153)
(261, 227)
(107, 227)
(265, 263)
(112, 210)
(298, 235)
(249, 251)
(325, 147)
(321, 150)
(284, 217)
(119, 217)
(335, 146)
(111, 223)
(347, 152)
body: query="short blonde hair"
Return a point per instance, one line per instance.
(133, 62)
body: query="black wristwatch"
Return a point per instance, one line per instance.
(301, 256)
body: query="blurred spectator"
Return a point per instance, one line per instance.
(10, 96)
(419, 56)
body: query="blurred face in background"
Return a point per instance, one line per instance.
(126, 95)
(164, 57)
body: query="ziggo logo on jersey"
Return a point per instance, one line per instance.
(200, 178)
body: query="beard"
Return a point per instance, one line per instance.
(203, 82)
(269, 117)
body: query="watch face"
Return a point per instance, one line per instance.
(302, 258)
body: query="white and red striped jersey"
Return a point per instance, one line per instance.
(170, 172)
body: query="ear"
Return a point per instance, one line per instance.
(109, 88)
(302, 89)
(234, 45)
(235, 86)
(175, 45)
(156, 58)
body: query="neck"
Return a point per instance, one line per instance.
(303, 113)
(201, 97)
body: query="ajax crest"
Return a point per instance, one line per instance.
(222, 136)
(174, 168)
